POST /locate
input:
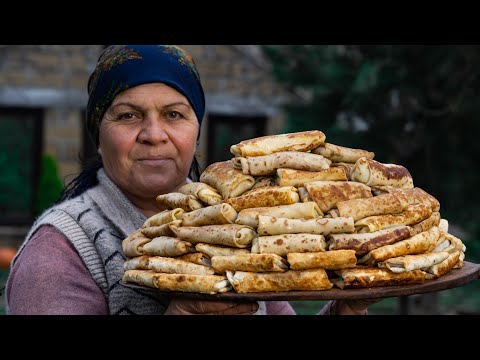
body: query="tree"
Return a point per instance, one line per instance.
(413, 105)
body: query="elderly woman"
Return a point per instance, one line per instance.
(144, 113)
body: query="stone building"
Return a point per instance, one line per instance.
(42, 103)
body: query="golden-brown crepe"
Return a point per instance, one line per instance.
(362, 277)
(328, 193)
(283, 244)
(212, 250)
(292, 177)
(414, 196)
(443, 225)
(249, 262)
(206, 284)
(270, 225)
(204, 192)
(366, 242)
(426, 224)
(268, 164)
(167, 265)
(416, 244)
(330, 260)
(373, 173)
(413, 214)
(164, 217)
(264, 197)
(306, 210)
(178, 200)
(448, 242)
(445, 266)
(162, 230)
(338, 153)
(376, 205)
(166, 246)
(131, 244)
(196, 258)
(234, 235)
(210, 215)
(405, 263)
(347, 167)
(298, 141)
(230, 182)
(311, 279)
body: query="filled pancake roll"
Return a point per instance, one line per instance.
(212, 250)
(132, 243)
(166, 246)
(204, 192)
(292, 177)
(405, 263)
(283, 244)
(162, 230)
(164, 217)
(230, 182)
(362, 277)
(330, 260)
(167, 265)
(268, 164)
(264, 145)
(373, 173)
(265, 197)
(338, 153)
(270, 225)
(426, 224)
(306, 280)
(196, 258)
(210, 215)
(249, 262)
(234, 235)
(178, 200)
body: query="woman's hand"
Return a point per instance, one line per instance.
(180, 306)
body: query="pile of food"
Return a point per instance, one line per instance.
(291, 212)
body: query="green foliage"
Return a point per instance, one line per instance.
(50, 185)
(413, 105)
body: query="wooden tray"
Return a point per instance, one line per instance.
(454, 278)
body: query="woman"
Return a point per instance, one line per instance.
(144, 113)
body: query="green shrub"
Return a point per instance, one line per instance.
(50, 185)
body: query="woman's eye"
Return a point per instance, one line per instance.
(126, 116)
(174, 115)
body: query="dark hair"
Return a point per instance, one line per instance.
(88, 178)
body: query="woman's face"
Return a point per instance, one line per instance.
(147, 140)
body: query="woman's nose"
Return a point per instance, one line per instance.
(153, 130)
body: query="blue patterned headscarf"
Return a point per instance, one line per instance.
(121, 67)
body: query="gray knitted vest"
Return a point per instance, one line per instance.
(95, 223)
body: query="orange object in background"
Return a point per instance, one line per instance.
(6, 255)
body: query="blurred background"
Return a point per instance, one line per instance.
(413, 105)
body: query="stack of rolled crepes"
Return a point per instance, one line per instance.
(292, 212)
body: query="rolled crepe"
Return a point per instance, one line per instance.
(448, 242)
(376, 205)
(306, 210)
(167, 265)
(270, 225)
(164, 217)
(249, 262)
(416, 244)
(414, 196)
(166, 246)
(298, 141)
(234, 235)
(404, 263)
(210, 215)
(262, 181)
(426, 224)
(445, 266)
(291, 280)
(413, 214)
(330, 260)
(205, 193)
(230, 182)
(265, 196)
(178, 200)
(206, 284)
(304, 195)
(288, 243)
(268, 164)
(162, 230)
(363, 243)
(338, 153)
(361, 277)
(328, 193)
(373, 173)
(292, 177)
(196, 258)
(132, 243)
(213, 250)
(443, 225)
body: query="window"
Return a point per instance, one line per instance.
(225, 131)
(20, 162)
